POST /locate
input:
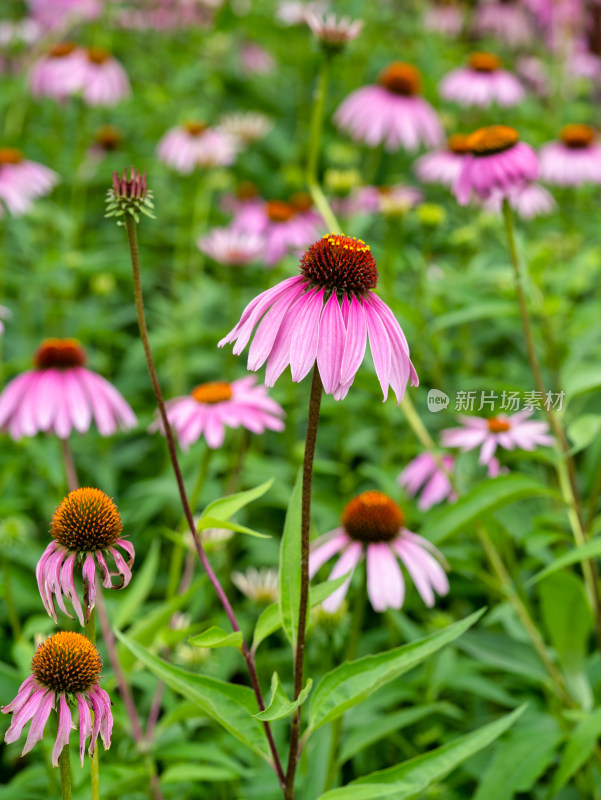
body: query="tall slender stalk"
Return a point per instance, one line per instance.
(90, 633)
(64, 765)
(132, 239)
(299, 652)
(69, 464)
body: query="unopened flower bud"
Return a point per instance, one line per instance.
(129, 196)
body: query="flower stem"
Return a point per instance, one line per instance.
(90, 633)
(316, 126)
(64, 765)
(132, 239)
(299, 652)
(69, 464)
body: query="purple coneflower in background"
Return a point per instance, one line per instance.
(573, 160)
(505, 431)
(230, 247)
(424, 473)
(86, 530)
(246, 126)
(61, 395)
(255, 59)
(51, 14)
(481, 83)
(325, 315)
(334, 33)
(22, 181)
(294, 12)
(443, 166)
(378, 200)
(66, 669)
(57, 74)
(528, 201)
(373, 523)
(391, 113)
(497, 164)
(212, 407)
(103, 81)
(507, 21)
(445, 18)
(194, 144)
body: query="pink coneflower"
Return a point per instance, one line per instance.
(333, 33)
(294, 12)
(424, 473)
(193, 145)
(51, 14)
(86, 530)
(66, 669)
(167, 15)
(246, 126)
(325, 315)
(534, 74)
(259, 585)
(445, 18)
(22, 181)
(255, 59)
(58, 73)
(506, 21)
(61, 395)
(231, 248)
(507, 432)
(104, 82)
(498, 163)
(573, 160)
(373, 522)
(443, 166)
(528, 201)
(481, 83)
(397, 199)
(392, 113)
(212, 407)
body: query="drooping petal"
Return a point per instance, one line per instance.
(25, 689)
(38, 723)
(346, 563)
(380, 347)
(355, 343)
(85, 724)
(325, 547)
(303, 347)
(88, 573)
(68, 586)
(330, 348)
(385, 585)
(65, 723)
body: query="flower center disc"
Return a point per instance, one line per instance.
(86, 520)
(484, 62)
(280, 211)
(195, 128)
(458, 143)
(340, 262)
(491, 140)
(60, 354)
(10, 155)
(66, 662)
(496, 425)
(214, 392)
(401, 78)
(109, 137)
(372, 517)
(61, 50)
(577, 136)
(98, 55)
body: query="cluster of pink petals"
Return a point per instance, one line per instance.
(333, 30)
(249, 407)
(299, 325)
(52, 14)
(444, 18)
(508, 22)
(35, 702)
(424, 473)
(55, 576)
(523, 433)
(295, 12)
(378, 200)
(230, 247)
(100, 83)
(184, 151)
(168, 15)
(500, 173)
(62, 400)
(567, 166)
(385, 583)
(23, 182)
(534, 74)
(376, 116)
(528, 201)
(255, 59)
(469, 87)
(440, 166)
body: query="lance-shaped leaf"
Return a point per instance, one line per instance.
(290, 559)
(217, 637)
(225, 507)
(279, 704)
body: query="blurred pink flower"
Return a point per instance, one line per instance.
(212, 407)
(104, 82)
(333, 32)
(445, 18)
(231, 248)
(167, 15)
(294, 12)
(379, 200)
(534, 74)
(255, 59)
(507, 21)
(528, 201)
(301, 321)
(391, 113)
(443, 166)
(246, 126)
(52, 14)
(574, 160)
(22, 181)
(57, 74)
(481, 83)
(61, 395)
(66, 668)
(425, 474)
(498, 163)
(193, 145)
(372, 523)
(507, 432)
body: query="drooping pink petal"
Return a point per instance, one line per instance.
(68, 586)
(88, 573)
(38, 723)
(65, 723)
(85, 724)
(385, 585)
(356, 341)
(330, 349)
(346, 563)
(325, 547)
(380, 347)
(303, 347)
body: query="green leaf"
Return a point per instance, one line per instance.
(225, 507)
(483, 498)
(214, 522)
(592, 549)
(229, 704)
(583, 431)
(581, 379)
(208, 773)
(567, 616)
(516, 658)
(136, 593)
(414, 776)
(279, 705)
(290, 558)
(217, 637)
(270, 620)
(354, 681)
(579, 748)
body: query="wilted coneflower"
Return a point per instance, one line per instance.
(425, 474)
(86, 529)
(246, 126)
(230, 247)
(259, 585)
(194, 144)
(22, 181)
(392, 113)
(507, 21)
(505, 431)
(66, 669)
(498, 163)
(443, 166)
(481, 83)
(61, 395)
(57, 73)
(528, 201)
(574, 160)
(324, 315)
(373, 523)
(210, 408)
